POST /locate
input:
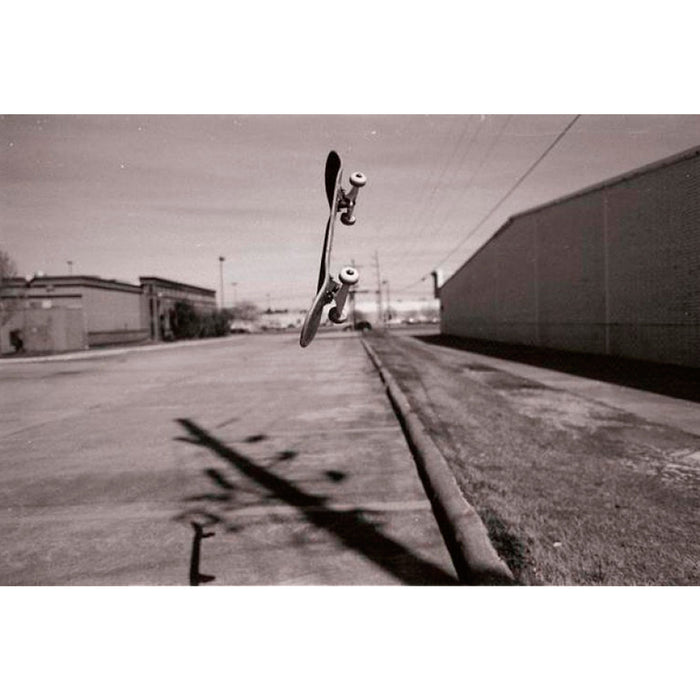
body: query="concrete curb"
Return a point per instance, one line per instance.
(466, 537)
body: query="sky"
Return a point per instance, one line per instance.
(123, 196)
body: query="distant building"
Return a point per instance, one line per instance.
(58, 313)
(280, 319)
(160, 297)
(398, 311)
(613, 269)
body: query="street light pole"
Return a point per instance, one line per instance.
(221, 278)
(380, 310)
(28, 281)
(70, 267)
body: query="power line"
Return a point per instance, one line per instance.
(449, 165)
(432, 182)
(437, 229)
(453, 164)
(519, 182)
(493, 209)
(470, 182)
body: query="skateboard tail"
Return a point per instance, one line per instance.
(332, 170)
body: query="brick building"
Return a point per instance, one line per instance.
(613, 269)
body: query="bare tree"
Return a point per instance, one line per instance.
(8, 304)
(245, 311)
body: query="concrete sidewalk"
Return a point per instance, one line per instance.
(651, 406)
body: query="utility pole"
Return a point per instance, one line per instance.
(380, 313)
(221, 278)
(388, 300)
(437, 282)
(353, 290)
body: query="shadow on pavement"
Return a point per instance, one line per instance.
(668, 380)
(195, 576)
(349, 527)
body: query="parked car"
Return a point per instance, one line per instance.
(359, 326)
(241, 327)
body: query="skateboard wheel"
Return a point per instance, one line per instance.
(348, 275)
(335, 317)
(347, 220)
(358, 180)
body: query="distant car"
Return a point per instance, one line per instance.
(241, 327)
(359, 326)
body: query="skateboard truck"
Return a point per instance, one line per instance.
(349, 199)
(348, 277)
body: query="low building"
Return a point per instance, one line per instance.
(160, 297)
(59, 313)
(397, 311)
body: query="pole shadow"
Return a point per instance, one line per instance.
(196, 577)
(350, 528)
(669, 380)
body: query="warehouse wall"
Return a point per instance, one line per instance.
(613, 270)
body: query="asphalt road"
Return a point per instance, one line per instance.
(242, 461)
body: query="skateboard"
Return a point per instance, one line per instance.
(329, 290)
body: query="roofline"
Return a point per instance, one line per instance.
(101, 283)
(176, 285)
(617, 179)
(76, 281)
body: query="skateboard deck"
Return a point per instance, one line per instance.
(327, 288)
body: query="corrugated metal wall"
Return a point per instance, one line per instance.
(612, 270)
